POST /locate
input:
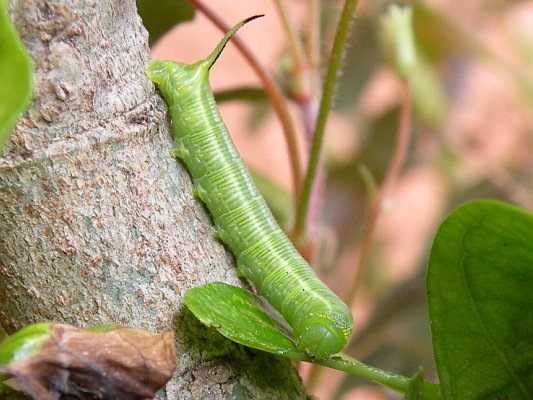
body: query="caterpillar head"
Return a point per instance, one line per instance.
(323, 335)
(180, 82)
(174, 78)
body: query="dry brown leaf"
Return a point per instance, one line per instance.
(122, 364)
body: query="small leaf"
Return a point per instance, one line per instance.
(159, 16)
(121, 364)
(480, 296)
(15, 76)
(242, 317)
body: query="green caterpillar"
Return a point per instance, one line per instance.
(321, 322)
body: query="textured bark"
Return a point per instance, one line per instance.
(97, 220)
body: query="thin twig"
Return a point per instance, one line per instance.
(391, 176)
(309, 108)
(295, 44)
(311, 192)
(301, 85)
(325, 106)
(278, 102)
(306, 97)
(313, 46)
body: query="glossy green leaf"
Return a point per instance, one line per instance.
(480, 295)
(247, 319)
(242, 317)
(159, 16)
(15, 76)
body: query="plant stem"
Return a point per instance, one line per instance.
(305, 92)
(309, 110)
(376, 206)
(325, 105)
(313, 46)
(295, 45)
(300, 88)
(398, 383)
(345, 363)
(278, 102)
(312, 191)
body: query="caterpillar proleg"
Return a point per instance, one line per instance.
(321, 322)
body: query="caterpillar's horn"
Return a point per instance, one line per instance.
(216, 53)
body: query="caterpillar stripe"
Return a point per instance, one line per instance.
(321, 322)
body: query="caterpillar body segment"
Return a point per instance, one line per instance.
(321, 322)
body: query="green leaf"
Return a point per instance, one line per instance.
(480, 295)
(15, 76)
(247, 319)
(159, 16)
(242, 317)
